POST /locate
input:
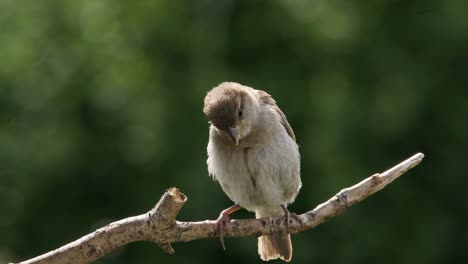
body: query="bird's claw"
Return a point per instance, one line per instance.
(288, 215)
(221, 224)
(223, 220)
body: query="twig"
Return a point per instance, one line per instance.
(159, 224)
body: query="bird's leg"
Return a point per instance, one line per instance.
(222, 221)
(288, 216)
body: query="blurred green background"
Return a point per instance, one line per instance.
(101, 112)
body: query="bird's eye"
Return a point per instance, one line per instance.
(240, 113)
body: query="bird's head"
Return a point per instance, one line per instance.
(232, 109)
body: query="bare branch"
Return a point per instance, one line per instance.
(159, 224)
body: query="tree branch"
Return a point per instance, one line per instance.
(159, 224)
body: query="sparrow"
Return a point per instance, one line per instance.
(253, 154)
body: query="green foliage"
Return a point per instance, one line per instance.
(100, 112)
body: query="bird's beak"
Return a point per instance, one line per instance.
(233, 133)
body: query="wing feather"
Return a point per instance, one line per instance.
(267, 99)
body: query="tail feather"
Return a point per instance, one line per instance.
(274, 246)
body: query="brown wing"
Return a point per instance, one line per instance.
(267, 99)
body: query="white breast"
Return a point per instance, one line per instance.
(262, 176)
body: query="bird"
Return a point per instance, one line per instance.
(253, 154)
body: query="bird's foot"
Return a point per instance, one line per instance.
(221, 224)
(223, 220)
(288, 215)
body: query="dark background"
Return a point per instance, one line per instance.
(101, 112)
